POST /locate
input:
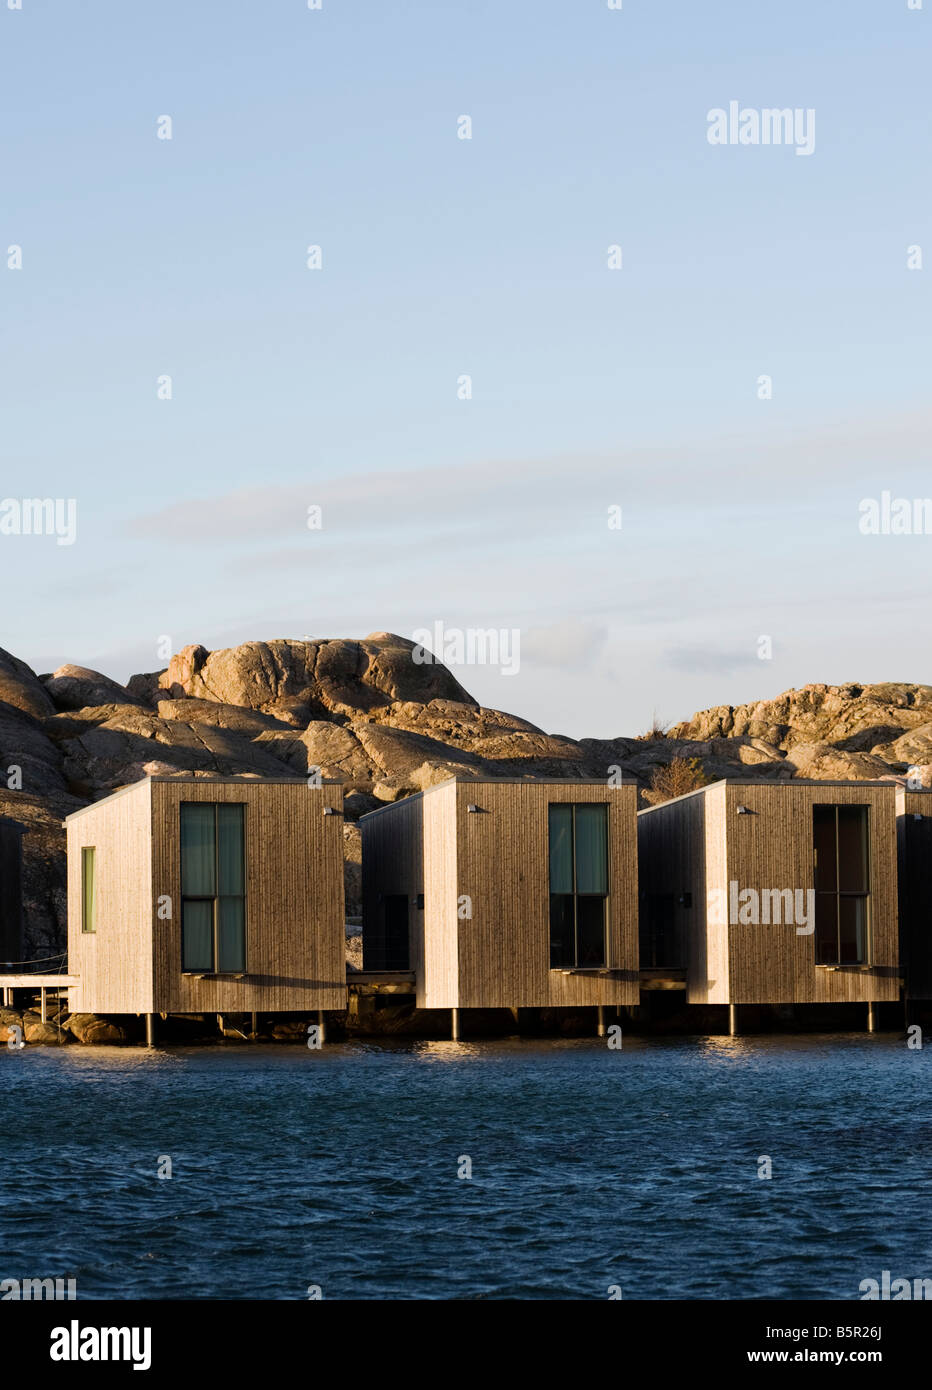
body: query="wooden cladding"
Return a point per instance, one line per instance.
(734, 867)
(268, 936)
(114, 963)
(483, 936)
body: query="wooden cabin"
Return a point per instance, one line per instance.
(773, 892)
(11, 894)
(914, 843)
(505, 894)
(192, 895)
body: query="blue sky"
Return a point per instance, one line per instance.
(487, 257)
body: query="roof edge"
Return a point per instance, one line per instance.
(192, 780)
(774, 783)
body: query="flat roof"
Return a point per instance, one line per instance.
(772, 782)
(503, 782)
(199, 778)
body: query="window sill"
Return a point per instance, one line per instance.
(583, 970)
(853, 966)
(214, 974)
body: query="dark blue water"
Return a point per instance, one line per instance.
(590, 1168)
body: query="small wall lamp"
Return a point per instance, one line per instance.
(473, 807)
(744, 811)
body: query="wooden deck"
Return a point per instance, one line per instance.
(35, 981)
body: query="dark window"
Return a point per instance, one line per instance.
(840, 837)
(213, 887)
(386, 947)
(660, 943)
(578, 885)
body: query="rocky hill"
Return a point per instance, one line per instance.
(368, 714)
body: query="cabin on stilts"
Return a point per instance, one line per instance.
(505, 894)
(193, 895)
(774, 892)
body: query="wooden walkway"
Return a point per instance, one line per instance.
(35, 981)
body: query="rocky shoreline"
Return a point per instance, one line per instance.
(403, 1020)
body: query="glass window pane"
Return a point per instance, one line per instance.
(197, 931)
(232, 932)
(230, 850)
(590, 931)
(852, 849)
(826, 929)
(88, 889)
(591, 849)
(561, 849)
(397, 949)
(562, 942)
(853, 918)
(658, 931)
(198, 879)
(823, 831)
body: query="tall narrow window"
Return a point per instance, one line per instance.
(841, 838)
(385, 942)
(578, 885)
(88, 888)
(213, 887)
(661, 944)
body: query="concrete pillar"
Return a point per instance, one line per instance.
(871, 1018)
(733, 1020)
(455, 1024)
(600, 1021)
(322, 1026)
(43, 1005)
(150, 1030)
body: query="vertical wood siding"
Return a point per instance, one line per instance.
(498, 857)
(682, 853)
(772, 848)
(438, 982)
(295, 921)
(700, 842)
(115, 963)
(295, 940)
(503, 865)
(392, 863)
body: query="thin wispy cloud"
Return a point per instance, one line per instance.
(753, 477)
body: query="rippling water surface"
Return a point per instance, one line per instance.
(590, 1168)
